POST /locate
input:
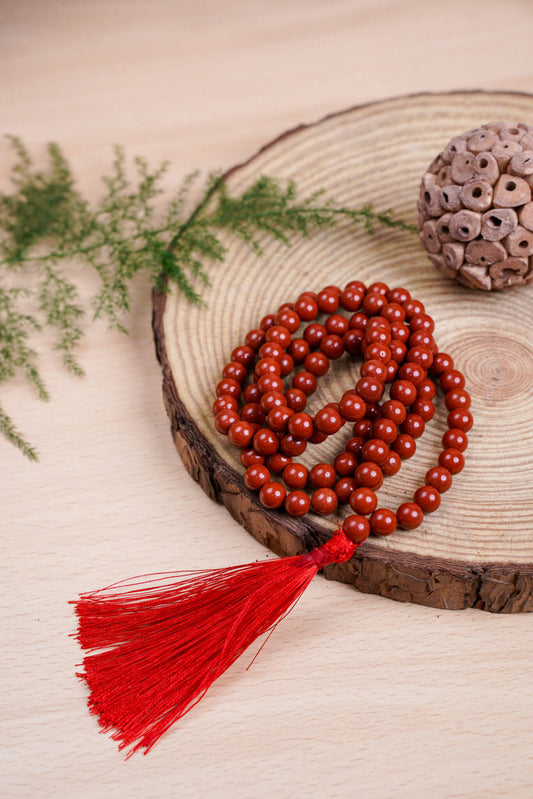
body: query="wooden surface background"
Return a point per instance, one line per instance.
(354, 695)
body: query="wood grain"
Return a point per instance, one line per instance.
(477, 551)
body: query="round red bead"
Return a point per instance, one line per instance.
(428, 498)
(287, 364)
(413, 425)
(277, 462)
(344, 464)
(439, 478)
(405, 446)
(332, 346)
(457, 439)
(412, 372)
(297, 503)
(374, 302)
(352, 340)
(457, 398)
(409, 515)
(355, 445)
(379, 287)
(255, 338)
(243, 354)
(398, 294)
(441, 363)
(314, 334)
(352, 407)
(383, 522)
(256, 476)
(358, 321)
(400, 332)
(266, 366)
(295, 475)
(363, 501)
(301, 425)
(298, 349)
(250, 456)
(377, 335)
(317, 363)
(337, 324)
(422, 321)
(375, 369)
(356, 528)
(305, 381)
(266, 442)
(392, 465)
(289, 319)
(394, 410)
(369, 388)
(375, 450)
(327, 301)
(452, 459)
(267, 322)
(423, 408)
(413, 308)
(393, 312)
(271, 350)
(240, 433)
(425, 389)
(296, 399)
(377, 352)
(403, 391)
(278, 418)
(306, 308)
(251, 393)
(322, 475)
(363, 428)
(272, 399)
(270, 382)
(385, 429)
(272, 495)
(328, 421)
(292, 446)
(460, 419)
(225, 403)
(235, 370)
(397, 350)
(369, 475)
(279, 334)
(228, 386)
(224, 420)
(351, 299)
(450, 379)
(324, 501)
(344, 488)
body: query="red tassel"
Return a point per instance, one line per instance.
(167, 638)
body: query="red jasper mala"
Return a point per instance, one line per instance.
(157, 644)
(266, 418)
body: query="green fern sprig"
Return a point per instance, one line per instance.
(49, 231)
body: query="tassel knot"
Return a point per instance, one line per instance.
(338, 549)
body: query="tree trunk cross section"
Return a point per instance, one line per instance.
(477, 549)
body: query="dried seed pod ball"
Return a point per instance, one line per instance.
(475, 212)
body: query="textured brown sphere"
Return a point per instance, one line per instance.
(475, 212)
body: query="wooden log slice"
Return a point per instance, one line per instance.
(477, 549)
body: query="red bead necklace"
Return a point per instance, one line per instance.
(265, 417)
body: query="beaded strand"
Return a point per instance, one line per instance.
(266, 418)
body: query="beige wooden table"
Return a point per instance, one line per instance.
(354, 695)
